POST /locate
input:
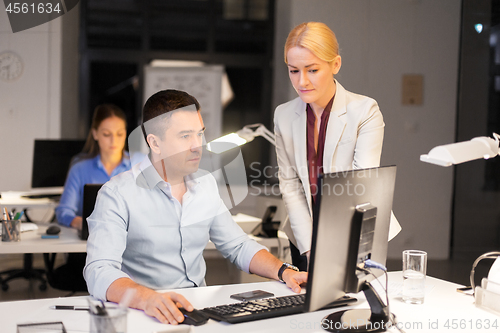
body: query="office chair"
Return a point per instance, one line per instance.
(27, 272)
(69, 276)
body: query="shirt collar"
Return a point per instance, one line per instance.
(125, 162)
(146, 176)
(328, 108)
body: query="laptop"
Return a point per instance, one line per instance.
(89, 197)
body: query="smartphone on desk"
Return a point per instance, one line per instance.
(252, 295)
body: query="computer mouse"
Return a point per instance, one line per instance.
(195, 317)
(53, 230)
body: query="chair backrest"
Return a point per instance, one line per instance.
(89, 197)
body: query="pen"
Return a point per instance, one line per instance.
(19, 215)
(6, 225)
(69, 307)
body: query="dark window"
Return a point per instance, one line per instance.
(119, 37)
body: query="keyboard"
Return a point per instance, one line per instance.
(266, 308)
(42, 196)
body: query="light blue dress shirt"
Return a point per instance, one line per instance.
(140, 231)
(87, 171)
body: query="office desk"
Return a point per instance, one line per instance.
(442, 305)
(68, 241)
(32, 242)
(25, 203)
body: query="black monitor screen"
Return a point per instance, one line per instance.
(51, 160)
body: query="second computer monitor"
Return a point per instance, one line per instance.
(51, 161)
(343, 237)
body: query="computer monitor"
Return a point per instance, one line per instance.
(90, 192)
(51, 161)
(351, 221)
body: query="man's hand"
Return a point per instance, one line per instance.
(164, 307)
(294, 279)
(265, 264)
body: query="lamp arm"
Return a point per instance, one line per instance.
(487, 255)
(497, 139)
(267, 134)
(261, 130)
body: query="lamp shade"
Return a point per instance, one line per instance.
(456, 153)
(244, 135)
(225, 143)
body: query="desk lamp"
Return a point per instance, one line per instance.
(460, 152)
(244, 135)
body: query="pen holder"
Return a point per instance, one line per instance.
(11, 230)
(114, 321)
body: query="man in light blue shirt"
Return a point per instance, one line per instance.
(151, 224)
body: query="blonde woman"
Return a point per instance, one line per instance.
(325, 129)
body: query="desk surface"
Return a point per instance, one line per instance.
(22, 203)
(443, 306)
(32, 242)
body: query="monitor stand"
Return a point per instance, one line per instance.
(375, 319)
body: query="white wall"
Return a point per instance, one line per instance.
(380, 40)
(30, 105)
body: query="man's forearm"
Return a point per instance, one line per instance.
(265, 264)
(162, 306)
(118, 288)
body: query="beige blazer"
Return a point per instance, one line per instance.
(354, 139)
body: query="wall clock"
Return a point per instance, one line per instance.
(11, 66)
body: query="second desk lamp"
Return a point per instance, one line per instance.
(244, 135)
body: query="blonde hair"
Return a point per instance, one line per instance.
(316, 37)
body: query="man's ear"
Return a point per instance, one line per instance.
(153, 143)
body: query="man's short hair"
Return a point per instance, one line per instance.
(160, 106)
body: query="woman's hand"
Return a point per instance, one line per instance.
(77, 223)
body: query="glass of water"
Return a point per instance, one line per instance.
(414, 270)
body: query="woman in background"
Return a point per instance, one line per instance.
(325, 129)
(103, 157)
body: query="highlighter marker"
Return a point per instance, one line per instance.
(49, 236)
